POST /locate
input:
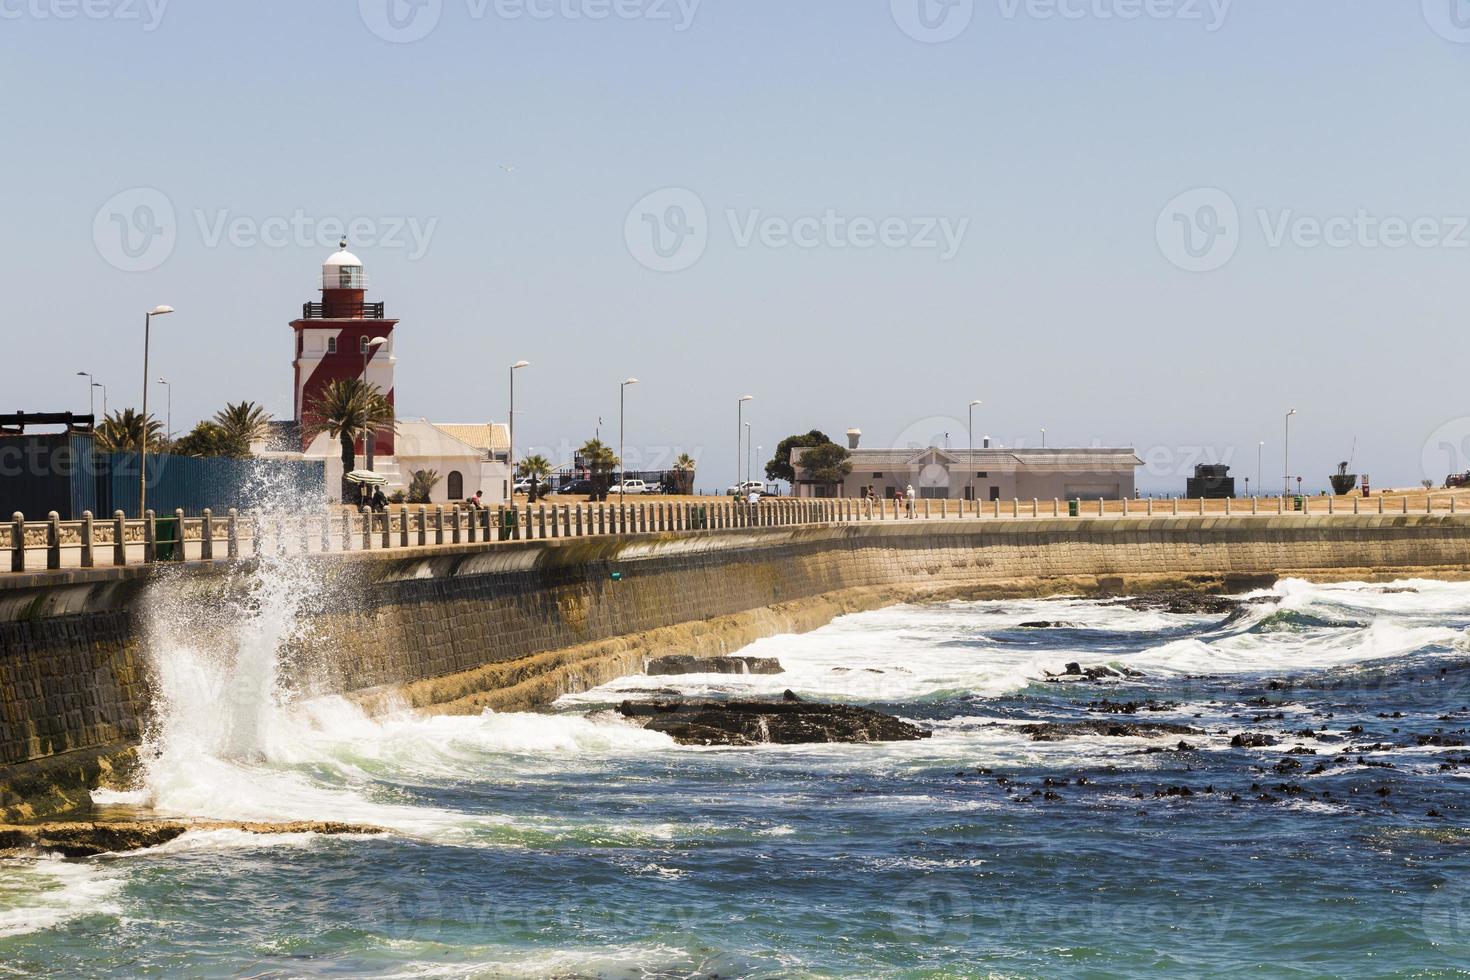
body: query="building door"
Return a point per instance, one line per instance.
(456, 485)
(995, 493)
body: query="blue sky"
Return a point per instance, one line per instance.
(1054, 142)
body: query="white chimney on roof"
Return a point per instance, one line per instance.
(853, 437)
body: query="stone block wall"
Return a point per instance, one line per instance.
(74, 675)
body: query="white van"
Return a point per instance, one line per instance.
(632, 486)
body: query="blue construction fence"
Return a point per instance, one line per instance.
(65, 473)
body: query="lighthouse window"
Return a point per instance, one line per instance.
(331, 345)
(347, 276)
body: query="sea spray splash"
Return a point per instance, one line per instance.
(219, 646)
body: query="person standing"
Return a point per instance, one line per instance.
(909, 498)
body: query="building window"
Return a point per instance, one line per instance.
(877, 476)
(331, 345)
(456, 485)
(981, 475)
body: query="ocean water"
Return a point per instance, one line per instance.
(570, 843)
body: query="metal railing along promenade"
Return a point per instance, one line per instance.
(119, 541)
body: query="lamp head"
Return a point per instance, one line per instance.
(631, 381)
(377, 342)
(746, 398)
(520, 364)
(976, 402)
(160, 310)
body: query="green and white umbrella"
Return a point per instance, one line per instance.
(366, 476)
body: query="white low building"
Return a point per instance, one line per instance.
(462, 466)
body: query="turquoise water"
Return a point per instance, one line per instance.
(569, 843)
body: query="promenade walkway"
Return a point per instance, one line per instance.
(50, 543)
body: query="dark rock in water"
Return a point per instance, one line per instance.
(787, 722)
(1045, 624)
(83, 839)
(1075, 673)
(1055, 731)
(1185, 602)
(683, 663)
(1252, 740)
(1130, 707)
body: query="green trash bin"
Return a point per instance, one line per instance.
(165, 537)
(1072, 508)
(1296, 502)
(701, 518)
(508, 520)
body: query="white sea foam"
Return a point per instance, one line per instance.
(47, 891)
(909, 653)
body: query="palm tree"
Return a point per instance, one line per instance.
(123, 432)
(600, 461)
(347, 410)
(536, 469)
(684, 473)
(245, 423)
(421, 487)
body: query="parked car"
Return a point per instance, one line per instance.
(524, 486)
(578, 487)
(744, 489)
(632, 486)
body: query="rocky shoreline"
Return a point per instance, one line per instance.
(75, 839)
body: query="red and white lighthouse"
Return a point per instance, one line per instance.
(335, 339)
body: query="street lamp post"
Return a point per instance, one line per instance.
(143, 447)
(1043, 438)
(91, 395)
(970, 482)
(1286, 458)
(739, 432)
(169, 412)
(1260, 450)
(370, 439)
(622, 466)
(98, 384)
(749, 467)
(511, 452)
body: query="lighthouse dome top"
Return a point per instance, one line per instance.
(343, 270)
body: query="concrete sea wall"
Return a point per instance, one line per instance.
(511, 625)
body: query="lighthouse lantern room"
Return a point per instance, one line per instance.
(335, 338)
